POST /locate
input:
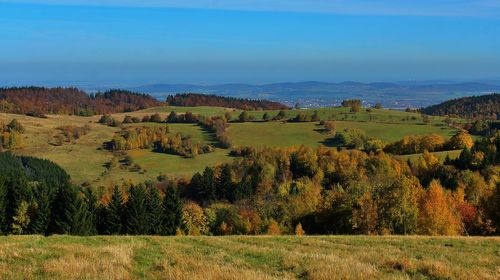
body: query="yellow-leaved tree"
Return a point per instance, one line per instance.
(437, 212)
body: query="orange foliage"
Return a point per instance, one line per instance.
(438, 214)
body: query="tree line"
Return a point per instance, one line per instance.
(195, 99)
(482, 107)
(38, 101)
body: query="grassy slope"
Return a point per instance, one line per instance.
(85, 161)
(289, 134)
(285, 257)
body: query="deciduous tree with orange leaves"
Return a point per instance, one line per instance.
(438, 214)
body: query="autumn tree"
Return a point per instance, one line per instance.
(461, 140)
(437, 213)
(194, 218)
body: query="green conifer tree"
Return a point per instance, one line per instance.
(154, 211)
(136, 216)
(113, 220)
(172, 207)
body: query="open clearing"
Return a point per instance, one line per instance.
(257, 257)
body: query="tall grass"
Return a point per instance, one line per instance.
(283, 257)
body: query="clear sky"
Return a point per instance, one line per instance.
(133, 42)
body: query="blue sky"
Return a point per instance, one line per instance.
(127, 42)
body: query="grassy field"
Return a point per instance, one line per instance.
(279, 134)
(201, 110)
(440, 155)
(86, 161)
(263, 257)
(331, 113)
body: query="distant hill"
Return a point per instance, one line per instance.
(194, 99)
(41, 100)
(398, 95)
(484, 106)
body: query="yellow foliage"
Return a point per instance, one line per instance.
(273, 228)
(438, 215)
(299, 231)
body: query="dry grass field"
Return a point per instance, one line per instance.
(257, 257)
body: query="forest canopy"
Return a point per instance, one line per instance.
(484, 106)
(195, 99)
(38, 101)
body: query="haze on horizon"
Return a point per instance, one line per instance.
(206, 42)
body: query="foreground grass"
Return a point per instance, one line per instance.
(285, 257)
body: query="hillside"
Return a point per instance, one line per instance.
(194, 99)
(484, 106)
(386, 125)
(319, 257)
(39, 100)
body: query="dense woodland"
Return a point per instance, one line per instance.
(195, 99)
(38, 101)
(484, 107)
(268, 191)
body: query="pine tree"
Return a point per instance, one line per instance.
(22, 219)
(90, 200)
(196, 187)
(114, 212)
(3, 204)
(224, 183)
(172, 216)
(154, 211)
(209, 187)
(83, 223)
(136, 211)
(70, 214)
(41, 218)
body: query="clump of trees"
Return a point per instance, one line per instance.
(483, 127)
(130, 119)
(329, 127)
(109, 121)
(353, 138)
(138, 138)
(69, 134)
(245, 117)
(157, 138)
(194, 99)
(217, 125)
(179, 144)
(11, 135)
(305, 117)
(433, 142)
(354, 104)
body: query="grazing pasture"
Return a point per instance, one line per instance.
(86, 160)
